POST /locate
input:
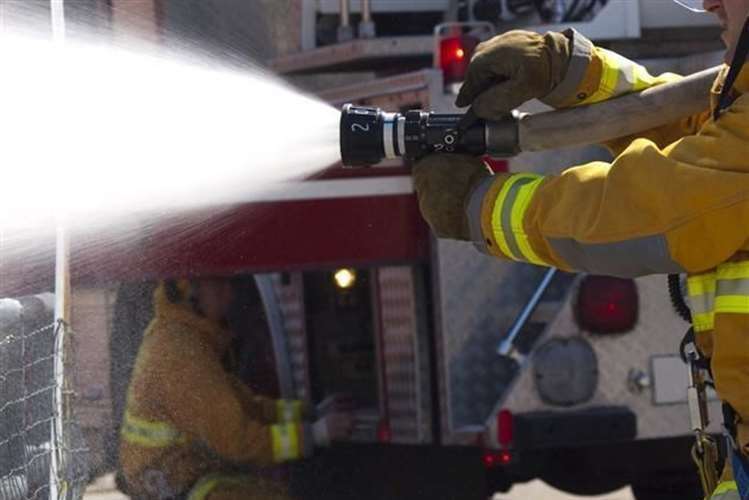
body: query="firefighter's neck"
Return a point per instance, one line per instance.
(733, 23)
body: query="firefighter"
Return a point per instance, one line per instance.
(674, 199)
(190, 425)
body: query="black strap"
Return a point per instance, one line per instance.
(729, 419)
(739, 58)
(676, 295)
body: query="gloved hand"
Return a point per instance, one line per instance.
(443, 184)
(335, 426)
(513, 68)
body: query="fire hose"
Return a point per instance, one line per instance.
(370, 135)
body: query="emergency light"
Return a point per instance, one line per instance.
(455, 55)
(607, 305)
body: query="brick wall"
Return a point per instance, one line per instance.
(91, 323)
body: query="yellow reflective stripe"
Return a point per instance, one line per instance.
(701, 291)
(732, 304)
(641, 79)
(724, 291)
(621, 76)
(518, 217)
(644, 80)
(285, 439)
(704, 284)
(288, 410)
(733, 271)
(723, 488)
(611, 73)
(502, 235)
(208, 483)
(703, 322)
(732, 288)
(609, 77)
(150, 434)
(499, 235)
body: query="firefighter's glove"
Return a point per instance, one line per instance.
(513, 68)
(332, 427)
(444, 183)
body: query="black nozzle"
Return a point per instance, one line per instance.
(361, 136)
(369, 135)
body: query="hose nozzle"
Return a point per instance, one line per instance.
(370, 135)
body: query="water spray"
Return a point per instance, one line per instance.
(370, 135)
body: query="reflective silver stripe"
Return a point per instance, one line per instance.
(582, 53)
(727, 495)
(401, 133)
(288, 410)
(626, 82)
(626, 259)
(709, 296)
(732, 287)
(285, 441)
(148, 433)
(473, 212)
(702, 304)
(509, 204)
(387, 136)
(205, 486)
(727, 490)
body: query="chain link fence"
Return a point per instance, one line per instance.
(42, 450)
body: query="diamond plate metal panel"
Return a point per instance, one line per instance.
(658, 332)
(480, 297)
(400, 349)
(291, 300)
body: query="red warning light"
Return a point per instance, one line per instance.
(455, 54)
(607, 305)
(493, 459)
(384, 433)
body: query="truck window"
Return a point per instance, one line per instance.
(340, 332)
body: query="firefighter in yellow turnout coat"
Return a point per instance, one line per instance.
(189, 421)
(674, 199)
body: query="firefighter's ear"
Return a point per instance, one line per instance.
(171, 289)
(192, 297)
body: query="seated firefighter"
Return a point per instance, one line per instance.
(190, 424)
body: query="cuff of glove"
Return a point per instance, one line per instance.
(320, 434)
(581, 55)
(474, 210)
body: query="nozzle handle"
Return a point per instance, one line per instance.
(619, 117)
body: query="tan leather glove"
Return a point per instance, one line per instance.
(513, 68)
(443, 184)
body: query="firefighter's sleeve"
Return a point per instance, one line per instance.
(596, 74)
(684, 208)
(212, 410)
(270, 410)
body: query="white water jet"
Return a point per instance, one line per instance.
(91, 132)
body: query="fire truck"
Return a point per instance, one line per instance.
(469, 374)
